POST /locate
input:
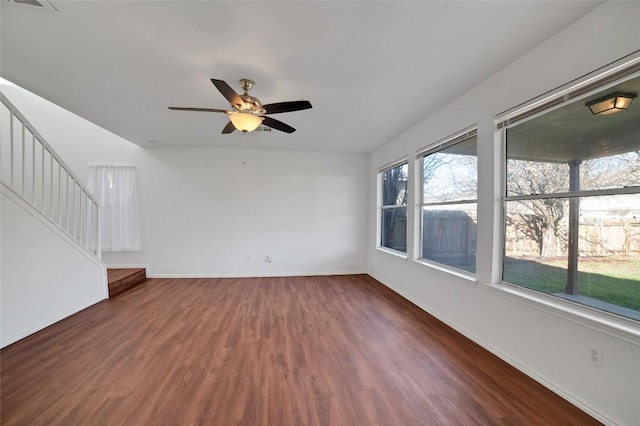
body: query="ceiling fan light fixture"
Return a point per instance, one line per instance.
(611, 104)
(248, 113)
(245, 122)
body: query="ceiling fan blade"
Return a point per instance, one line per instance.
(199, 109)
(229, 128)
(278, 125)
(228, 93)
(286, 106)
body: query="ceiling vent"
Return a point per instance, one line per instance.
(34, 4)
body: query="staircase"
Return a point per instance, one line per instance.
(50, 261)
(122, 280)
(35, 173)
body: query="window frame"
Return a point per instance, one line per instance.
(447, 142)
(574, 91)
(382, 207)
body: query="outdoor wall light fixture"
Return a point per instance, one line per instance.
(245, 122)
(611, 104)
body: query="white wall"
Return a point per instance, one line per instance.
(215, 212)
(551, 347)
(219, 212)
(45, 276)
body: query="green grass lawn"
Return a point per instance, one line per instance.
(615, 281)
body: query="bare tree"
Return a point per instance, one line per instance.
(614, 171)
(541, 220)
(430, 164)
(538, 219)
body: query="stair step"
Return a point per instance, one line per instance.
(123, 279)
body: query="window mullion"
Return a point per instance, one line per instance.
(575, 194)
(453, 202)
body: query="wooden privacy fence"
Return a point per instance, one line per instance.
(597, 237)
(448, 234)
(607, 238)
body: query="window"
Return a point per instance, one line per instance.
(115, 189)
(449, 202)
(393, 212)
(572, 202)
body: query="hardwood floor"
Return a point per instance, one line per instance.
(337, 350)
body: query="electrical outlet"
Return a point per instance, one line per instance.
(595, 356)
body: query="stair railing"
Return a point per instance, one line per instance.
(33, 171)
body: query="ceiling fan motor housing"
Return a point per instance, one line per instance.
(251, 104)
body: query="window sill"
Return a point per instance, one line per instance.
(610, 324)
(465, 278)
(392, 252)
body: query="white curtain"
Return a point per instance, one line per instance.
(115, 189)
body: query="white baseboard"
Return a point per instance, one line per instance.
(255, 275)
(151, 274)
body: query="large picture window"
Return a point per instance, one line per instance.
(572, 201)
(393, 211)
(449, 202)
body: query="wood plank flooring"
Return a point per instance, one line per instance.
(336, 350)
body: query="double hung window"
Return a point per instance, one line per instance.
(393, 211)
(449, 202)
(572, 200)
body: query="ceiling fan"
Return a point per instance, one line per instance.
(248, 112)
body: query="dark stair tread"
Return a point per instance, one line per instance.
(123, 279)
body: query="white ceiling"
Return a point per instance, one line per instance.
(370, 69)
